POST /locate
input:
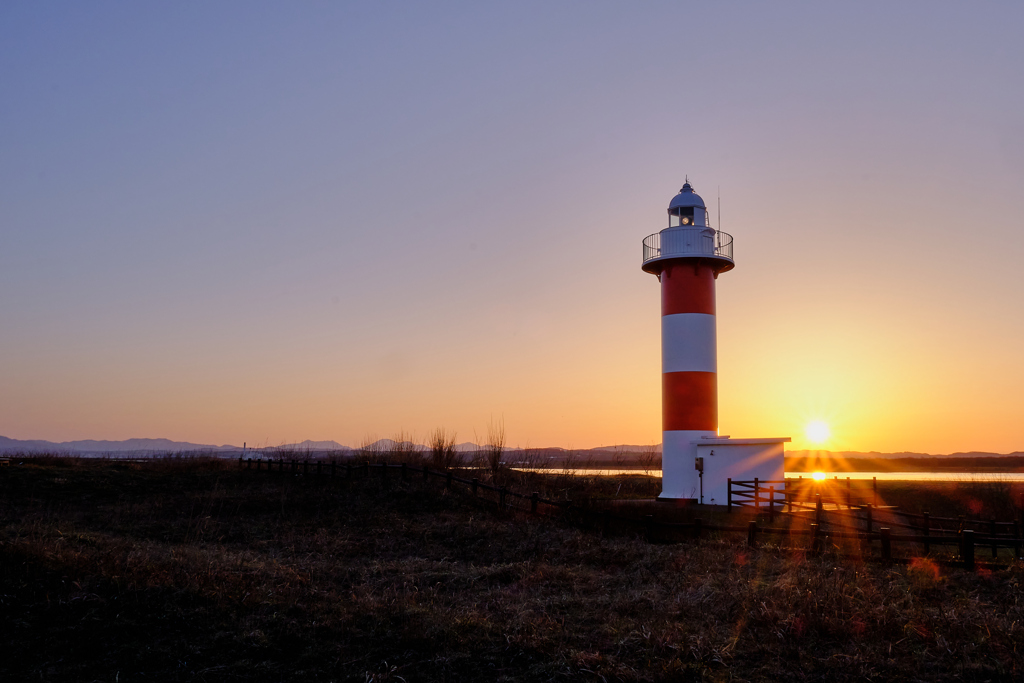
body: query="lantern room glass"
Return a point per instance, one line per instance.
(680, 216)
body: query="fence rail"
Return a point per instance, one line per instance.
(820, 532)
(787, 491)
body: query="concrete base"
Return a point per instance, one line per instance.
(679, 479)
(680, 502)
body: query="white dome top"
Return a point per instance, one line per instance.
(686, 197)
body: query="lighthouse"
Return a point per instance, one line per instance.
(687, 257)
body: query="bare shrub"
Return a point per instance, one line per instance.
(571, 462)
(565, 477)
(283, 452)
(442, 449)
(532, 459)
(371, 449)
(494, 446)
(403, 448)
(649, 459)
(620, 460)
(986, 498)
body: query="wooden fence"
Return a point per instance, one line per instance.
(861, 522)
(801, 497)
(764, 492)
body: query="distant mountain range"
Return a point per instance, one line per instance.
(157, 446)
(91, 446)
(140, 446)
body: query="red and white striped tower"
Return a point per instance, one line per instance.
(687, 257)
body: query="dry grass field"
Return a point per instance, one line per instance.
(196, 571)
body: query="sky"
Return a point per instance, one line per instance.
(267, 222)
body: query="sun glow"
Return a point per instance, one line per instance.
(817, 432)
(819, 476)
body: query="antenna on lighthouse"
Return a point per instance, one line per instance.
(719, 207)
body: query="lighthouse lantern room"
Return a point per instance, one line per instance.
(687, 258)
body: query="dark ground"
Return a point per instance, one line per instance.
(196, 571)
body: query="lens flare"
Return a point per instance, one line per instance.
(819, 476)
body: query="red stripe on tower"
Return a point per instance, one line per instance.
(689, 401)
(687, 288)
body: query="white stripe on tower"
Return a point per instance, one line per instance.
(689, 343)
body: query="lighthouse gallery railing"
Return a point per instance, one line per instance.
(688, 242)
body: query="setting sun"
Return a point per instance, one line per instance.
(817, 432)
(819, 476)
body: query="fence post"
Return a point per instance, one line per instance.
(927, 532)
(533, 502)
(757, 495)
(992, 533)
(871, 515)
(729, 497)
(874, 491)
(771, 504)
(239, 462)
(818, 509)
(967, 548)
(849, 495)
(886, 544)
(752, 534)
(476, 482)
(815, 539)
(789, 497)
(295, 466)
